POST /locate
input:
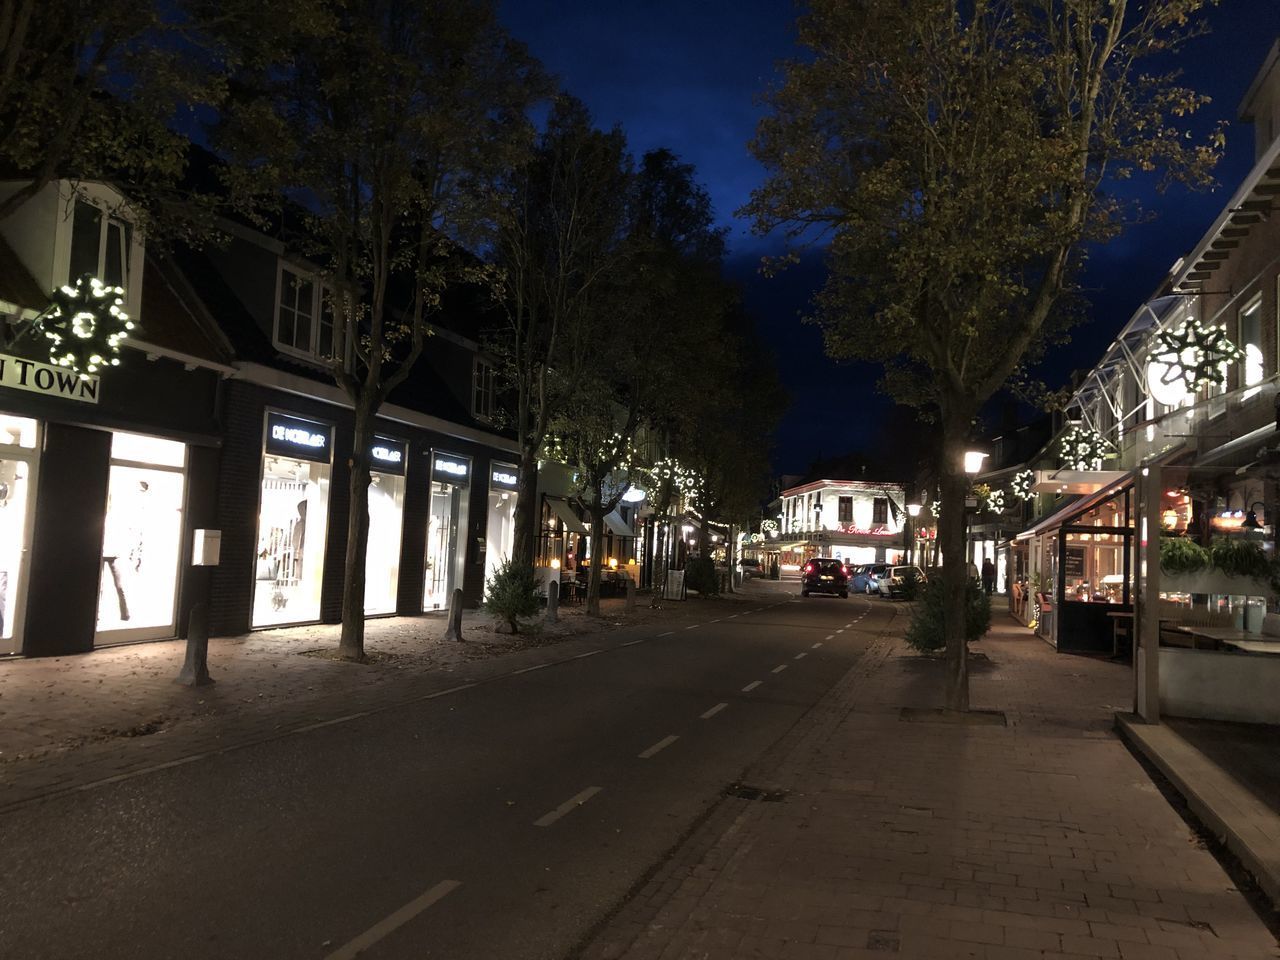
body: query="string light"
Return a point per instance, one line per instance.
(1020, 485)
(1195, 354)
(85, 326)
(1083, 448)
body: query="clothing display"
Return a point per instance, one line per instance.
(289, 564)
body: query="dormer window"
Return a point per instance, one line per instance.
(100, 243)
(483, 390)
(307, 324)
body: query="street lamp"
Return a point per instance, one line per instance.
(973, 461)
(1251, 518)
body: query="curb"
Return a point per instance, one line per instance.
(1246, 826)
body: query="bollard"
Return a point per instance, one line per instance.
(553, 602)
(631, 596)
(195, 671)
(454, 632)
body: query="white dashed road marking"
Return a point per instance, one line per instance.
(573, 803)
(536, 666)
(751, 686)
(660, 745)
(713, 711)
(694, 627)
(801, 655)
(394, 922)
(667, 634)
(830, 636)
(780, 668)
(589, 653)
(631, 643)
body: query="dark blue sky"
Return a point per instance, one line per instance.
(685, 75)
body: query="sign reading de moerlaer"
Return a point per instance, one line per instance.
(21, 374)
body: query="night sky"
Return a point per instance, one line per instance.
(685, 74)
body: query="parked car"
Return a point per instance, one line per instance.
(824, 575)
(858, 577)
(875, 572)
(751, 567)
(897, 580)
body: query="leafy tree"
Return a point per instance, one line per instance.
(559, 230)
(381, 129)
(957, 157)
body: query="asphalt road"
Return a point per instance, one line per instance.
(498, 822)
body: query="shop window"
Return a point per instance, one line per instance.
(142, 538)
(310, 317)
(382, 553)
(880, 510)
(100, 244)
(845, 509)
(17, 432)
(483, 392)
(1251, 344)
(17, 466)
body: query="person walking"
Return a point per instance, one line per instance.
(988, 576)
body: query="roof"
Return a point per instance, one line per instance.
(176, 322)
(1247, 104)
(871, 486)
(17, 286)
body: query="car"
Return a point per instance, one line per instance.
(896, 580)
(875, 572)
(858, 576)
(824, 575)
(751, 567)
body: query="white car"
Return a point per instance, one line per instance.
(895, 580)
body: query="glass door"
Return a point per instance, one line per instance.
(17, 506)
(442, 539)
(382, 553)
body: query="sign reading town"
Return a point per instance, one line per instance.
(301, 439)
(504, 476)
(387, 455)
(18, 373)
(447, 468)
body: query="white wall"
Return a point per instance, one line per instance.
(1211, 685)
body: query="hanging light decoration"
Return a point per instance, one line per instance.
(1195, 354)
(994, 500)
(85, 325)
(1020, 485)
(1084, 448)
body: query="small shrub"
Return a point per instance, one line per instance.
(911, 585)
(512, 593)
(927, 630)
(700, 575)
(1238, 558)
(1182, 555)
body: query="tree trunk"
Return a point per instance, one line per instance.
(524, 539)
(955, 572)
(351, 643)
(730, 557)
(597, 535)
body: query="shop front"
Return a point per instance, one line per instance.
(500, 523)
(446, 521)
(388, 459)
(19, 456)
(293, 513)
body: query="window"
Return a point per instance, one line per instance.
(846, 509)
(482, 389)
(99, 245)
(1251, 342)
(880, 510)
(308, 321)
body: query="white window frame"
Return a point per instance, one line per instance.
(113, 206)
(483, 389)
(1254, 305)
(321, 292)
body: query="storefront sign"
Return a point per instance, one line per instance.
(301, 439)
(387, 455)
(447, 468)
(20, 374)
(865, 531)
(503, 476)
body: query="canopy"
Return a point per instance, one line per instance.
(565, 512)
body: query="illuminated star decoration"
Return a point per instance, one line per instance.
(1020, 485)
(1084, 449)
(85, 325)
(994, 501)
(1195, 354)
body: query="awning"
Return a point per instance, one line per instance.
(1059, 517)
(616, 525)
(1075, 481)
(565, 512)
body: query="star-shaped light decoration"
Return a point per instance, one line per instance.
(1020, 485)
(1084, 449)
(85, 325)
(994, 500)
(1195, 354)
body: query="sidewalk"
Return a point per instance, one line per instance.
(69, 722)
(900, 834)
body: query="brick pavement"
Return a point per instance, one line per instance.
(69, 723)
(932, 840)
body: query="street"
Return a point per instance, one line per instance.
(503, 820)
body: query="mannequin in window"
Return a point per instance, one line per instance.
(117, 547)
(299, 538)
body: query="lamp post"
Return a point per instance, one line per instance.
(913, 511)
(973, 460)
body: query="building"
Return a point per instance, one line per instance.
(858, 521)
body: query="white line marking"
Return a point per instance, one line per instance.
(751, 686)
(830, 636)
(538, 666)
(589, 653)
(732, 615)
(667, 634)
(632, 643)
(573, 803)
(394, 922)
(694, 627)
(713, 711)
(660, 745)
(780, 668)
(801, 655)
(841, 630)
(330, 723)
(817, 645)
